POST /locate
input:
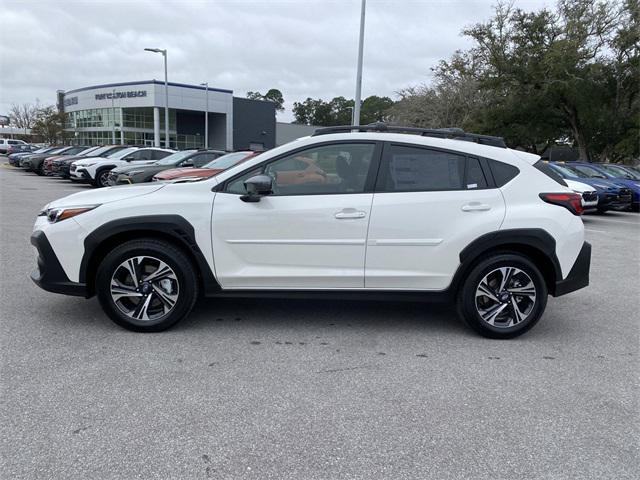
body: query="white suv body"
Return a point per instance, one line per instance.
(386, 214)
(96, 169)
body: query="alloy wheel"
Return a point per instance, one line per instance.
(144, 288)
(505, 297)
(102, 179)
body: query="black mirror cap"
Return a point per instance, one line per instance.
(257, 186)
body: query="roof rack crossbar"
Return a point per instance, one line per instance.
(451, 133)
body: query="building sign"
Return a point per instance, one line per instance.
(70, 101)
(114, 95)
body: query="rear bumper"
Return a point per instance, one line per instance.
(50, 276)
(578, 276)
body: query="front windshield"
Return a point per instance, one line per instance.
(56, 150)
(174, 157)
(89, 151)
(619, 172)
(227, 161)
(99, 151)
(589, 171)
(122, 153)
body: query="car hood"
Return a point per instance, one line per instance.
(578, 186)
(189, 172)
(106, 195)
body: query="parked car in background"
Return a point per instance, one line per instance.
(47, 165)
(20, 148)
(462, 219)
(617, 176)
(5, 143)
(96, 169)
(210, 169)
(587, 192)
(610, 195)
(36, 162)
(144, 173)
(62, 165)
(24, 159)
(14, 158)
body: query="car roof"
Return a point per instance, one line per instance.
(504, 154)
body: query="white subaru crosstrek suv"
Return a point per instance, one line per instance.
(96, 169)
(375, 211)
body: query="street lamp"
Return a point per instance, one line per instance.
(166, 94)
(356, 110)
(113, 118)
(206, 117)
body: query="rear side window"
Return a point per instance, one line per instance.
(549, 172)
(502, 173)
(414, 169)
(475, 175)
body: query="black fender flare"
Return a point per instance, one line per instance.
(536, 242)
(171, 227)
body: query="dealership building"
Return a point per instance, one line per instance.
(133, 113)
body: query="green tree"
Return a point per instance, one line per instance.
(339, 111)
(568, 74)
(273, 95)
(49, 125)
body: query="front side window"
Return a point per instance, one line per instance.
(321, 170)
(415, 169)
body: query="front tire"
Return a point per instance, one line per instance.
(146, 285)
(101, 178)
(503, 296)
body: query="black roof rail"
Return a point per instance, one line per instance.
(451, 133)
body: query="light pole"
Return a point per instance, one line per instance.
(166, 94)
(206, 117)
(113, 118)
(356, 109)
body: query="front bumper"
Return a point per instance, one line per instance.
(578, 276)
(119, 179)
(50, 276)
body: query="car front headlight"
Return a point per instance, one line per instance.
(133, 172)
(57, 214)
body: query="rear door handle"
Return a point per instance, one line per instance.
(475, 207)
(350, 213)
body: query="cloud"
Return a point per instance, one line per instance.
(304, 48)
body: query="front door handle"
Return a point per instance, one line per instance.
(475, 207)
(350, 213)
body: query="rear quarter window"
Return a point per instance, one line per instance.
(549, 172)
(502, 173)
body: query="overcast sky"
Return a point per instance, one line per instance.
(304, 48)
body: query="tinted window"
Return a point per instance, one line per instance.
(502, 172)
(319, 170)
(475, 175)
(549, 172)
(589, 172)
(158, 154)
(411, 169)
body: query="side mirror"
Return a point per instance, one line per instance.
(127, 159)
(257, 186)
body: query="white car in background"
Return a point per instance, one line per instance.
(587, 192)
(96, 169)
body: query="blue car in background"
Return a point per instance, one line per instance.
(611, 172)
(610, 195)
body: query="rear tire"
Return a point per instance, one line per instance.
(146, 285)
(503, 296)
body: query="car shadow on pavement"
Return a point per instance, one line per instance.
(280, 314)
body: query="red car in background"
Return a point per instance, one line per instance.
(210, 169)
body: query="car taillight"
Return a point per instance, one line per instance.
(570, 201)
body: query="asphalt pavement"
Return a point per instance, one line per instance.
(267, 389)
